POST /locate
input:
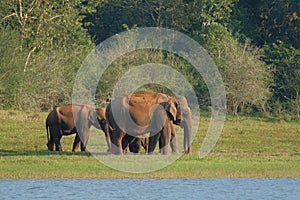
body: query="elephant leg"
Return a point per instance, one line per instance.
(165, 139)
(116, 139)
(57, 143)
(83, 144)
(126, 141)
(153, 138)
(119, 143)
(145, 143)
(54, 133)
(76, 143)
(50, 143)
(173, 142)
(159, 144)
(82, 147)
(108, 142)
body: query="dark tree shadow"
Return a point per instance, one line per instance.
(4, 152)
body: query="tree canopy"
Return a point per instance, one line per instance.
(255, 44)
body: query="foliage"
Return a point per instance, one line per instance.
(52, 44)
(210, 11)
(286, 59)
(44, 25)
(11, 61)
(186, 16)
(243, 71)
(44, 43)
(128, 62)
(265, 22)
(55, 74)
(275, 26)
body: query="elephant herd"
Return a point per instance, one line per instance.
(129, 122)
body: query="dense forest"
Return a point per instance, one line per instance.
(255, 44)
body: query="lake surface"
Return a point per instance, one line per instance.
(215, 188)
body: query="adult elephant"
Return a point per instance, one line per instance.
(143, 112)
(70, 119)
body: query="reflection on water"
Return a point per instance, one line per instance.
(216, 188)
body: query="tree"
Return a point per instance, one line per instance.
(247, 79)
(286, 60)
(52, 45)
(11, 58)
(44, 25)
(265, 22)
(274, 26)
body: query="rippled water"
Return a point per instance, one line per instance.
(216, 188)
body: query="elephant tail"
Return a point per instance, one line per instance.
(50, 122)
(47, 130)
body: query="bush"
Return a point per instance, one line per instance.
(247, 79)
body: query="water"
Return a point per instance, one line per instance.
(216, 188)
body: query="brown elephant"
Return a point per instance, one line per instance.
(143, 112)
(70, 119)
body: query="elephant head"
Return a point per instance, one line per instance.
(180, 114)
(85, 118)
(103, 125)
(173, 110)
(97, 118)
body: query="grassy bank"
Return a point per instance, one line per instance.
(248, 147)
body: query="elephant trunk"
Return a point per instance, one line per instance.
(187, 125)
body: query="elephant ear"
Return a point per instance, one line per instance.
(92, 117)
(101, 115)
(172, 109)
(184, 107)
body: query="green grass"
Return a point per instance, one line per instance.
(248, 147)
